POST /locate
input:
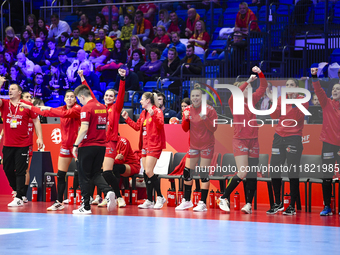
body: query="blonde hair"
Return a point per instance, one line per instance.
(153, 98)
(237, 84)
(8, 29)
(203, 27)
(165, 14)
(139, 45)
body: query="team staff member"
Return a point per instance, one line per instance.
(91, 142)
(287, 145)
(201, 145)
(16, 140)
(126, 164)
(245, 145)
(69, 115)
(151, 142)
(330, 136)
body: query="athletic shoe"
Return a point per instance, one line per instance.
(159, 202)
(14, 194)
(275, 208)
(289, 211)
(97, 201)
(147, 205)
(224, 205)
(184, 205)
(16, 202)
(247, 208)
(25, 199)
(57, 206)
(201, 207)
(103, 203)
(81, 210)
(121, 202)
(66, 201)
(326, 211)
(111, 201)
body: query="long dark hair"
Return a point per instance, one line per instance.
(103, 21)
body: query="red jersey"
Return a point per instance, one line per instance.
(245, 131)
(30, 131)
(123, 147)
(95, 114)
(331, 116)
(201, 131)
(16, 124)
(130, 50)
(292, 113)
(95, 53)
(69, 122)
(146, 7)
(114, 111)
(164, 39)
(152, 134)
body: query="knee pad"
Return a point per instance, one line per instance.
(61, 176)
(187, 174)
(119, 169)
(204, 177)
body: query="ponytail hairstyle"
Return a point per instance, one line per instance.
(153, 98)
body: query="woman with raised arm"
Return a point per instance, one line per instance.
(152, 141)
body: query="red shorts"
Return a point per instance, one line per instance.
(207, 153)
(111, 151)
(30, 151)
(66, 152)
(135, 168)
(146, 152)
(248, 147)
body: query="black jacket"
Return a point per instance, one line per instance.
(165, 69)
(195, 65)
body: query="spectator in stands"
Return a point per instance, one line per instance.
(135, 45)
(75, 40)
(84, 26)
(315, 100)
(131, 81)
(106, 41)
(164, 20)
(39, 89)
(136, 62)
(180, 47)
(143, 28)
(42, 25)
(2, 52)
(16, 77)
(176, 25)
(185, 102)
(124, 10)
(100, 24)
(238, 44)
(26, 44)
(167, 112)
(115, 33)
(114, 11)
(63, 64)
(9, 59)
(33, 24)
(99, 55)
(329, 85)
(58, 27)
(200, 39)
(91, 78)
(243, 18)
(4, 73)
(127, 29)
(58, 81)
(11, 41)
(119, 53)
(161, 40)
(193, 17)
(89, 44)
(43, 36)
(170, 64)
(36, 54)
(73, 68)
(63, 39)
(26, 66)
(37, 69)
(150, 71)
(148, 10)
(51, 53)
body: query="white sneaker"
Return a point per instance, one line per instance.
(16, 202)
(147, 205)
(159, 202)
(111, 201)
(81, 210)
(14, 193)
(121, 202)
(103, 203)
(224, 205)
(97, 200)
(66, 201)
(57, 206)
(25, 199)
(247, 208)
(201, 207)
(184, 205)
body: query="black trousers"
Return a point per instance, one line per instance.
(15, 165)
(90, 162)
(330, 155)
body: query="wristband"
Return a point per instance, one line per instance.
(74, 145)
(0, 137)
